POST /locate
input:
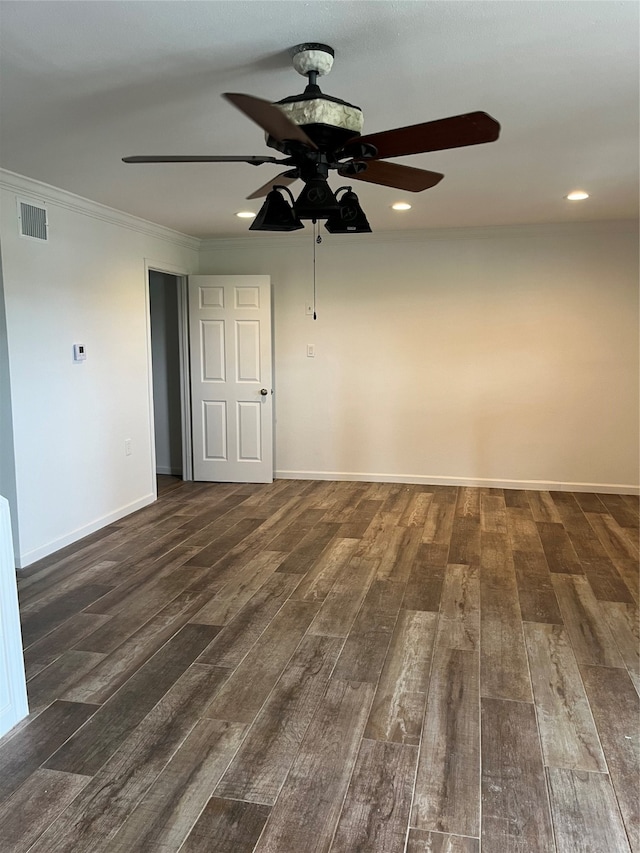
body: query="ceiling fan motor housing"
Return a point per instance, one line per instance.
(327, 120)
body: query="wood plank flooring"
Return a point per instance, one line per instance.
(320, 667)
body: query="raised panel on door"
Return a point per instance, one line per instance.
(213, 350)
(230, 346)
(249, 431)
(248, 351)
(211, 297)
(247, 296)
(214, 414)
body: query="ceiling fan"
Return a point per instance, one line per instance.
(319, 133)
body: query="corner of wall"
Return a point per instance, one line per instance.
(8, 486)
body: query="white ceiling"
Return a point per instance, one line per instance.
(86, 83)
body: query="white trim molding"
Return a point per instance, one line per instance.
(29, 187)
(24, 560)
(478, 482)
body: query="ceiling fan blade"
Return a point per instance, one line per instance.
(188, 158)
(269, 118)
(392, 175)
(455, 132)
(282, 180)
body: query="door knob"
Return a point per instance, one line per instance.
(264, 392)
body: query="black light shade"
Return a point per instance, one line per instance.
(276, 214)
(316, 201)
(349, 218)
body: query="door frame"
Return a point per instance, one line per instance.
(185, 383)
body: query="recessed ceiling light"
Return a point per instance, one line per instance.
(577, 195)
(245, 214)
(401, 205)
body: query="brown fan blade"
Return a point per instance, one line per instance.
(282, 180)
(188, 158)
(454, 132)
(392, 175)
(269, 118)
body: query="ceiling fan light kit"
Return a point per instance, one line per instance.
(350, 217)
(318, 133)
(316, 201)
(275, 214)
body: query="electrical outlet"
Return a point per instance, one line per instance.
(127, 447)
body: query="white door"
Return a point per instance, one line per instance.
(231, 392)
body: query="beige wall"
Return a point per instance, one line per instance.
(505, 355)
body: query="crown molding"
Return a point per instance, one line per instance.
(13, 182)
(21, 184)
(485, 232)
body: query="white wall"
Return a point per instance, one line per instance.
(165, 352)
(87, 284)
(505, 356)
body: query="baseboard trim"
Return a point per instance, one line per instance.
(418, 479)
(24, 560)
(172, 472)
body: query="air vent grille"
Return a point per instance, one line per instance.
(33, 220)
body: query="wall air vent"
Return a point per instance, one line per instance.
(32, 220)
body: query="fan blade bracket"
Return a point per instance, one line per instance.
(352, 168)
(359, 150)
(394, 175)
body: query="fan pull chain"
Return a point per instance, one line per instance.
(316, 239)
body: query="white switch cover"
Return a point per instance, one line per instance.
(311, 350)
(79, 352)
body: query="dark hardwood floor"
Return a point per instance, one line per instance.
(344, 667)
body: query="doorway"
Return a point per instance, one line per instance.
(237, 372)
(172, 438)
